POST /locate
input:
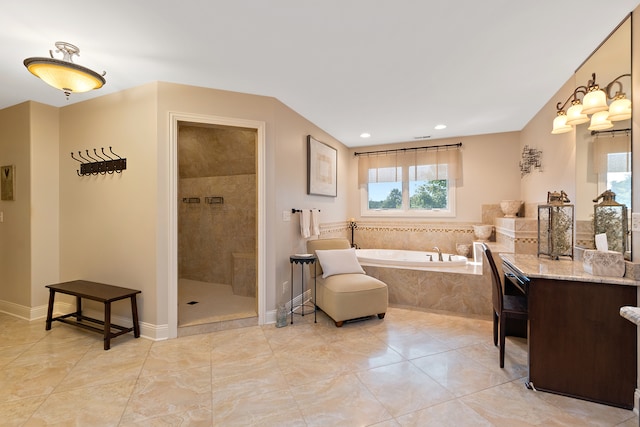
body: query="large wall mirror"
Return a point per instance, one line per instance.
(603, 157)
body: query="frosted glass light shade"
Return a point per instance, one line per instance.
(560, 125)
(600, 121)
(64, 75)
(594, 101)
(620, 109)
(575, 115)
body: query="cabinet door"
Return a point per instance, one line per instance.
(578, 344)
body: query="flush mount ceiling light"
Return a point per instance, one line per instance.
(594, 103)
(365, 135)
(440, 127)
(63, 73)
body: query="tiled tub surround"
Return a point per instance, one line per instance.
(461, 289)
(455, 289)
(410, 236)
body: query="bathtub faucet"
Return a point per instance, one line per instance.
(435, 248)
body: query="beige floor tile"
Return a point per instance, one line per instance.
(364, 373)
(176, 355)
(512, 404)
(37, 378)
(17, 412)
(458, 373)
(302, 365)
(448, 414)
(239, 343)
(339, 401)
(403, 388)
(194, 418)
(97, 406)
(169, 394)
(263, 376)
(267, 409)
(416, 344)
(364, 351)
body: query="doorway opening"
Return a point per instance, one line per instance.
(216, 259)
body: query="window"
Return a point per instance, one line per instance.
(613, 166)
(411, 182)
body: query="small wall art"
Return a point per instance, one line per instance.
(7, 182)
(322, 174)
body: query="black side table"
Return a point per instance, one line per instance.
(302, 260)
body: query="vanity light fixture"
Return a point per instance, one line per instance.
(64, 74)
(594, 103)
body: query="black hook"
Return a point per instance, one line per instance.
(82, 157)
(114, 153)
(98, 155)
(106, 155)
(89, 156)
(75, 158)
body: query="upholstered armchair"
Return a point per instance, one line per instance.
(344, 291)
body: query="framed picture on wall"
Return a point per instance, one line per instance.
(322, 173)
(7, 182)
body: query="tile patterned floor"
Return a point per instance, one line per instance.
(413, 368)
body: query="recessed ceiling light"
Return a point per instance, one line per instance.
(440, 127)
(365, 135)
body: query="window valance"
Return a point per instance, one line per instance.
(613, 144)
(421, 164)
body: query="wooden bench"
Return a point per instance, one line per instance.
(100, 292)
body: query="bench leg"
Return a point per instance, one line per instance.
(52, 296)
(134, 314)
(107, 325)
(78, 309)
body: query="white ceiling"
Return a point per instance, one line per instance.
(393, 68)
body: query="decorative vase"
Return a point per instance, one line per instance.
(281, 316)
(482, 232)
(510, 207)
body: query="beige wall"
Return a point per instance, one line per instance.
(29, 231)
(489, 168)
(107, 222)
(15, 231)
(558, 153)
(45, 201)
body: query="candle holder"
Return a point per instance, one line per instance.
(610, 218)
(352, 225)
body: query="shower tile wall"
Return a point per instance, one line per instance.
(217, 162)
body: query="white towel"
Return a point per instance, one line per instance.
(304, 223)
(315, 222)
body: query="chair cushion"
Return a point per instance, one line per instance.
(334, 243)
(338, 261)
(346, 283)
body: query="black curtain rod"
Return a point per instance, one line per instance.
(612, 131)
(459, 144)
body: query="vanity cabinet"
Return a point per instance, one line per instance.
(579, 345)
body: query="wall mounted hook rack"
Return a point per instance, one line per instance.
(90, 165)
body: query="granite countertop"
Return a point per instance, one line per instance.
(533, 266)
(632, 314)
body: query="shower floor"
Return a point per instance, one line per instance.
(214, 303)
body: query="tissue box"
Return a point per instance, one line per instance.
(601, 263)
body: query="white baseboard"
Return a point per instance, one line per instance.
(147, 330)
